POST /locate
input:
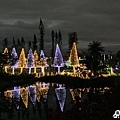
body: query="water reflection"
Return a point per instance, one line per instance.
(43, 98)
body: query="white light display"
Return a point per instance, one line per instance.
(32, 93)
(16, 95)
(58, 59)
(61, 96)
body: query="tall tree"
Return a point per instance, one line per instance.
(60, 39)
(53, 44)
(94, 49)
(22, 42)
(29, 44)
(72, 37)
(5, 43)
(34, 43)
(42, 32)
(18, 42)
(13, 42)
(56, 38)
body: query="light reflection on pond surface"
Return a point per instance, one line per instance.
(37, 95)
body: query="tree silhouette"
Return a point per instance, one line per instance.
(22, 42)
(18, 42)
(5, 43)
(94, 50)
(60, 39)
(29, 44)
(34, 43)
(13, 42)
(53, 44)
(42, 32)
(72, 37)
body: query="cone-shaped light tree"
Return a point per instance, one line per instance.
(58, 59)
(30, 60)
(14, 60)
(5, 59)
(22, 60)
(42, 62)
(74, 57)
(35, 60)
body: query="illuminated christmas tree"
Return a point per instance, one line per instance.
(14, 60)
(14, 57)
(58, 59)
(22, 60)
(35, 60)
(5, 51)
(30, 60)
(74, 57)
(42, 61)
(5, 59)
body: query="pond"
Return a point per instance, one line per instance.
(46, 101)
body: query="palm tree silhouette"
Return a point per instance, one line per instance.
(94, 50)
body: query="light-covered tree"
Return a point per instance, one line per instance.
(14, 60)
(58, 59)
(74, 55)
(30, 60)
(22, 59)
(73, 59)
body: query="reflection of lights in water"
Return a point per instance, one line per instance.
(8, 94)
(32, 93)
(16, 96)
(38, 91)
(61, 96)
(24, 96)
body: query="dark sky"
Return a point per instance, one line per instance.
(91, 19)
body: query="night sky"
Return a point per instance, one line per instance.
(91, 19)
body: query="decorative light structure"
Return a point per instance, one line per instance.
(58, 59)
(74, 56)
(30, 60)
(24, 96)
(61, 96)
(14, 60)
(5, 52)
(22, 60)
(35, 60)
(42, 62)
(32, 93)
